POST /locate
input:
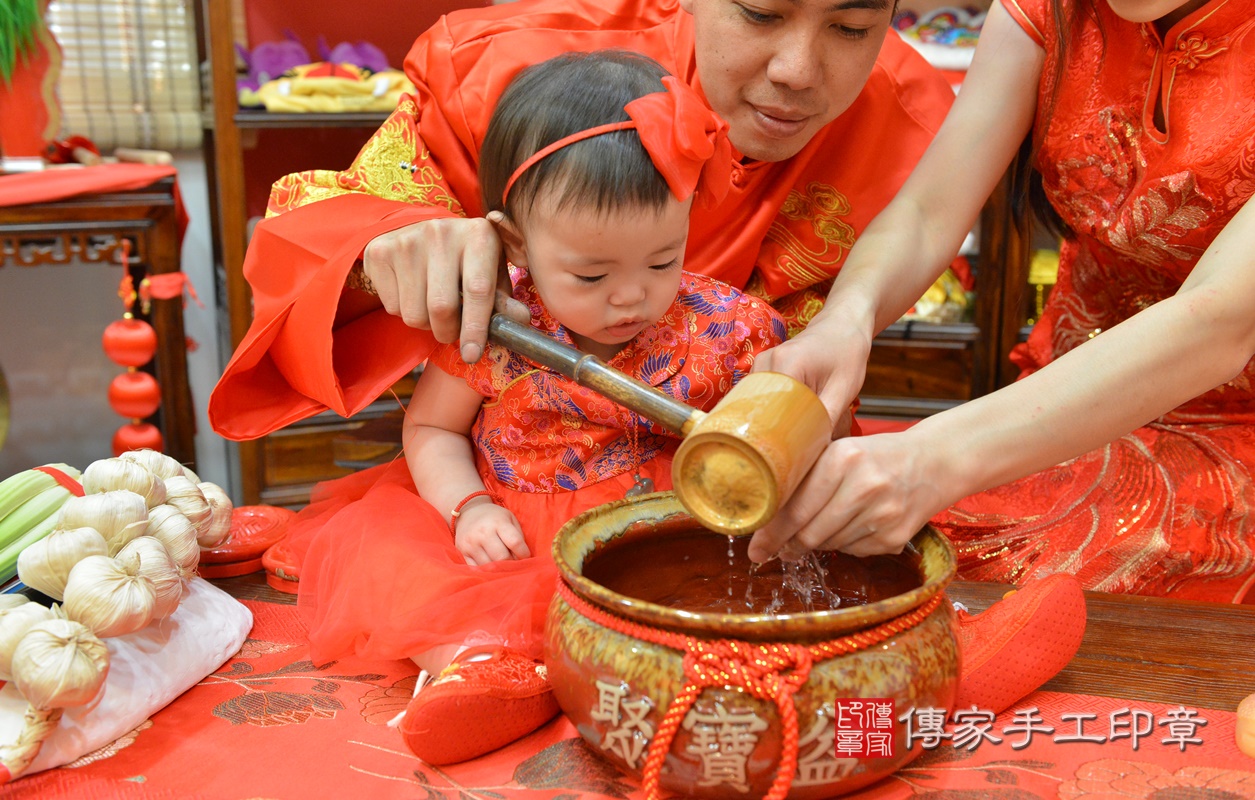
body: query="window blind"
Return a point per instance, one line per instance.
(129, 75)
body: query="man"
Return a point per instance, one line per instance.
(828, 113)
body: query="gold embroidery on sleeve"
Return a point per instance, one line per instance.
(393, 165)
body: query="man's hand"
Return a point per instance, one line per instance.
(486, 532)
(443, 275)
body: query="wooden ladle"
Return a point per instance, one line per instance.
(736, 464)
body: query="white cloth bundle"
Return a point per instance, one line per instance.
(147, 670)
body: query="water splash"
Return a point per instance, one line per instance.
(804, 580)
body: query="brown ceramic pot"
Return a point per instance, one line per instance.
(617, 687)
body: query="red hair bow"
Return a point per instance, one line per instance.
(687, 142)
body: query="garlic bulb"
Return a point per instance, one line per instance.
(119, 515)
(45, 564)
(60, 663)
(157, 463)
(190, 501)
(13, 600)
(109, 597)
(156, 564)
(175, 531)
(14, 623)
(192, 476)
(218, 531)
(109, 474)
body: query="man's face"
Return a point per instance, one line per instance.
(779, 70)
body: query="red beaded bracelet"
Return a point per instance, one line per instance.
(457, 510)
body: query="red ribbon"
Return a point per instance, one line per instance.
(66, 481)
(167, 285)
(687, 142)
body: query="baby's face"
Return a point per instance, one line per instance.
(605, 276)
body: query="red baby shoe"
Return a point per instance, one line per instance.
(1019, 643)
(488, 697)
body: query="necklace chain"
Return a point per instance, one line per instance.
(641, 484)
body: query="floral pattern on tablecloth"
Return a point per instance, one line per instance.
(271, 724)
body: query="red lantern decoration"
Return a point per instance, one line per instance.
(134, 394)
(129, 342)
(137, 436)
(132, 343)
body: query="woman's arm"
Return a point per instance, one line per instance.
(911, 242)
(870, 495)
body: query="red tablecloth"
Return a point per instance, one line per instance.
(50, 185)
(26, 189)
(269, 724)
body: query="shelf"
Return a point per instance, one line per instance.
(268, 119)
(873, 406)
(931, 331)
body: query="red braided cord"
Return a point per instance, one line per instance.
(652, 773)
(758, 668)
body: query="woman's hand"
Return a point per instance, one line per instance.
(830, 356)
(866, 495)
(443, 275)
(486, 532)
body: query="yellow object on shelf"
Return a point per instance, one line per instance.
(946, 301)
(331, 88)
(1043, 270)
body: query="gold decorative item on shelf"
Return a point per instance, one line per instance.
(1043, 271)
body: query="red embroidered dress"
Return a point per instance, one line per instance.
(1166, 510)
(381, 576)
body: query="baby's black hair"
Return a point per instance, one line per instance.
(559, 97)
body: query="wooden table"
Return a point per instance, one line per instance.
(1151, 649)
(1146, 649)
(90, 229)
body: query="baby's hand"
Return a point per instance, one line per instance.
(487, 532)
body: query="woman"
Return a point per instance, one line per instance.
(1132, 419)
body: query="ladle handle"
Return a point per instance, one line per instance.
(591, 372)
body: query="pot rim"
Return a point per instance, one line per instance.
(663, 509)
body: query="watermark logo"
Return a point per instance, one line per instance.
(864, 727)
(969, 728)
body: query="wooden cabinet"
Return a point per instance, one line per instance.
(91, 229)
(916, 369)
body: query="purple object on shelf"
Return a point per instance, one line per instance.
(359, 54)
(269, 60)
